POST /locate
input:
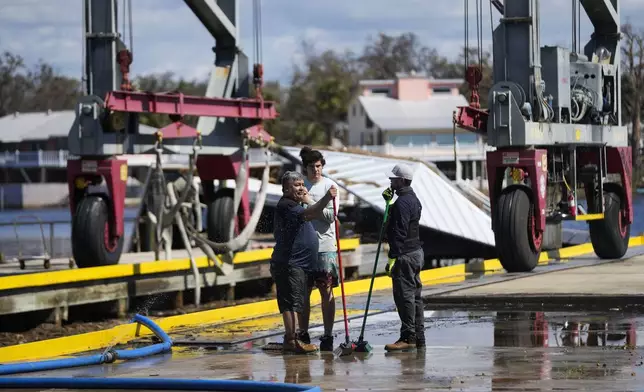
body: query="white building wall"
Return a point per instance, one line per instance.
(358, 125)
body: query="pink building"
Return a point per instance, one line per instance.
(411, 116)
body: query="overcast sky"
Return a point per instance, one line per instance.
(168, 36)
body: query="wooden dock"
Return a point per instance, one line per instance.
(61, 287)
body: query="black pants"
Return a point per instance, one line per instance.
(407, 288)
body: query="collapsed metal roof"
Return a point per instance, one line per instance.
(445, 209)
(18, 127)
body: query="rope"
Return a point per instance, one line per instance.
(168, 217)
(186, 241)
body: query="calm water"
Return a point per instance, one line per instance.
(31, 242)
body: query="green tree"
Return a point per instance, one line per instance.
(38, 89)
(167, 82)
(319, 96)
(272, 91)
(633, 89)
(386, 55)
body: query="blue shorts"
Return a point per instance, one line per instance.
(324, 273)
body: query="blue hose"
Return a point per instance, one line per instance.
(168, 384)
(97, 359)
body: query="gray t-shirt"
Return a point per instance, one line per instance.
(325, 227)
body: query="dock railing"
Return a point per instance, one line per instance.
(48, 241)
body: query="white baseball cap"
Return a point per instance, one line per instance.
(401, 171)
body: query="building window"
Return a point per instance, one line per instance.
(368, 123)
(380, 91)
(467, 138)
(441, 90)
(445, 139)
(410, 140)
(354, 111)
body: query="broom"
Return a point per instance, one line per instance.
(362, 346)
(347, 347)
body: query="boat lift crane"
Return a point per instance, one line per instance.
(106, 126)
(555, 119)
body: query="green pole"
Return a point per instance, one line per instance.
(375, 267)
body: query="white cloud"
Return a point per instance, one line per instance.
(169, 37)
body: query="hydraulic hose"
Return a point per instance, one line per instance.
(186, 242)
(97, 359)
(161, 384)
(238, 242)
(168, 217)
(240, 184)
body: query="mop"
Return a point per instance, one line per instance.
(347, 347)
(362, 346)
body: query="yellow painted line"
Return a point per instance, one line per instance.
(40, 279)
(123, 333)
(636, 241)
(587, 217)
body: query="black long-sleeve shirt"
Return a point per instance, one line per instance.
(403, 226)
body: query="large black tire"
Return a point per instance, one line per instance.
(513, 233)
(220, 213)
(89, 244)
(609, 236)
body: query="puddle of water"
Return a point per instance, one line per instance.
(445, 328)
(482, 350)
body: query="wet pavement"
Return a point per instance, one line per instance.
(468, 351)
(500, 349)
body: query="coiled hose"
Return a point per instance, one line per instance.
(108, 356)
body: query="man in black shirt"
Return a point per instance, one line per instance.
(406, 258)
(295, 251)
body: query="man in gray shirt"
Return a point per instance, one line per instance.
(324, 274)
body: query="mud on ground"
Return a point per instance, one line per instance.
(72, 327)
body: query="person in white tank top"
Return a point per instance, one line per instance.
(323, 275)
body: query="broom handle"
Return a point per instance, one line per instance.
(337, 240)
(373, 274)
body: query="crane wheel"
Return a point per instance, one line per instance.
(220, 214)
(91, 244)
(610, 235)
(516, 240)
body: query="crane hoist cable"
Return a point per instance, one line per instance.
(126, 55)
(479, 32)
(128, 26)
(473, 73)
(258, 68)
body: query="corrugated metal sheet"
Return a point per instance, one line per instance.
(434, 112)
(445, 209)
(15, 128)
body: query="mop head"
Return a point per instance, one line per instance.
(273, 346)
(344, 349)
(362, 346)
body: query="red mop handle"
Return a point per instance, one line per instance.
(341, 270)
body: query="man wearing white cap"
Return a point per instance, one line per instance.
(406, 258)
